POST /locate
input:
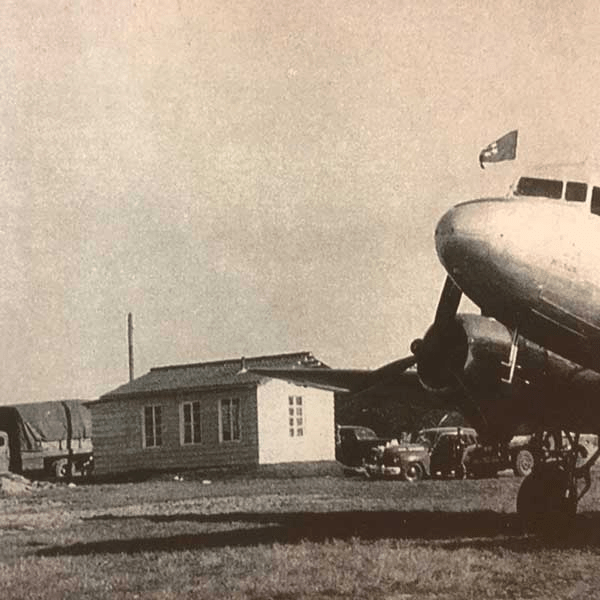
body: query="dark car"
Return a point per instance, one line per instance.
(447, 447)
(526, 450)
(354, 443)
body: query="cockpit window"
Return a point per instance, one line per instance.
(595, 200)
(576, 192)
(547, 188)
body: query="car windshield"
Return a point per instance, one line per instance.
(364, 433)
(423, 437)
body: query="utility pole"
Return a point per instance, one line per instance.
(130, 344)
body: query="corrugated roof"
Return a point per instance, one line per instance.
(209, 374)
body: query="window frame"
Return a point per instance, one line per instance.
(157, 432)
(296, 415)
(595, 200)
(194, 427)
(577, 187)
(529, 185)
(232, 430)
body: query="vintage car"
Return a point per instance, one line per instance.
(457, 452)
(406, 461)
(526, 450)
(354, 443)
(465, 456)
(434, 452)
(446, 446)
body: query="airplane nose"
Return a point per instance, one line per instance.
(446, 226)
(459, 230)
(450, 228)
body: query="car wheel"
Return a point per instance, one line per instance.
(582, 455)
(413, 472)
(524, 463)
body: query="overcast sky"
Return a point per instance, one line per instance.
(251, 178)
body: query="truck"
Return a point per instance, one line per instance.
(46, 439)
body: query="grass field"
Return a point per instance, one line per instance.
(321, 537)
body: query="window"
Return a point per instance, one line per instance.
(190, 423)
(296, 416)
(229, 422)
(596, 201)
(548, 188)
(152, 426)
(575, 192)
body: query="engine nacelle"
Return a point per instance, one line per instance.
(467, 361)
(462, 353)
(462, 362)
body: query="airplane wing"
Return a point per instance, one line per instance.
(347, 380)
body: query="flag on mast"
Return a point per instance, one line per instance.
(504, 148)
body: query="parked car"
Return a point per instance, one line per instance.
(433, 452)
(451, 457)
(446, 446)
(410, 462)
(526, 450)
(354, 443)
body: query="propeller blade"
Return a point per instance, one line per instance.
(448, 304)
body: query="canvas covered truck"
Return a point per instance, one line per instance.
(46, 439)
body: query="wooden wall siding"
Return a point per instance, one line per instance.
(118, 434)
(275, 443)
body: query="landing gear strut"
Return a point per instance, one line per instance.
(548, 497)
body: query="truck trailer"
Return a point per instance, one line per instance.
(42, 439)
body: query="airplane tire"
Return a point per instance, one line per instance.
(413, 471)
(524, 463)
(541, 502)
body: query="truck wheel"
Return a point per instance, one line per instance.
(524, 463)
(61, 468)
(413, 472)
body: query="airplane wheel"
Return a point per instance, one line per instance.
(542, 502)
(524, 463)
(414, 472)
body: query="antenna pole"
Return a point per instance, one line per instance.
(130, 344)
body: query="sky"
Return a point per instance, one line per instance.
(251, 178)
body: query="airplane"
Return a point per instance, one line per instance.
(531, 262)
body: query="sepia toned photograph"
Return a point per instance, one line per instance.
(299, 300)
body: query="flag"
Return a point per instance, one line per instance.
(504, 148)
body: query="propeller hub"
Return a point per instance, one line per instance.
(416, 347)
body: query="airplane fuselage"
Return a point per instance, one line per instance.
(531, 262)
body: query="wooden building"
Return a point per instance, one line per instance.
(213, 415)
